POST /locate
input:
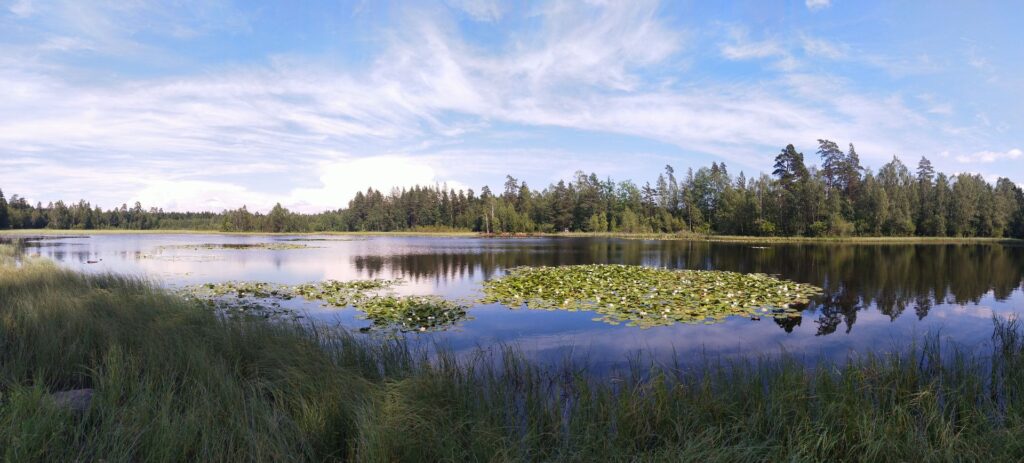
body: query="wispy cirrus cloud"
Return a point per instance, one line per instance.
(815, 46)
(741, 47)
(480, 10)
(817, 4)
(988, 157)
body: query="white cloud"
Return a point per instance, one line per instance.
(817, 4)
(340, 180)
(934, 106)
(987, 157)
(480, 10)
(22, 8)
(741, 47)
(944, 109)
(65, 44)
(739, 51)
(194, 195)
(823, 48)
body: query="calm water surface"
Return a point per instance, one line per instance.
(876, 296)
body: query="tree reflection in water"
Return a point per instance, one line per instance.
(889, 277)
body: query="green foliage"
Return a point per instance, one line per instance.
(645, 296)
(342, 293)
(387, 312)
(5, 218)
(412, 313)
(330, 292)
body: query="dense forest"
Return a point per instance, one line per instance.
(839, 198)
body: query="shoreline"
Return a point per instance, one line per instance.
(28, 233)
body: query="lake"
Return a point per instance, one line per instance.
(877, 296)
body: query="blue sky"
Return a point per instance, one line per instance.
(211, 104)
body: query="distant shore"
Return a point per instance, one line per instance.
(23, 233)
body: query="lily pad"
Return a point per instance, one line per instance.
(341, 293)
(239, 289)
(646, 296)
(411, 313)
(386, 312)
(236, 246)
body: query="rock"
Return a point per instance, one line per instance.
(76, 400)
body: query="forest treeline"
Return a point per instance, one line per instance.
(838, 198)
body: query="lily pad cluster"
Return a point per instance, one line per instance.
(240, 289)
(411, 313)
(639, 296)
(249, 308)
(341, 293)
(236, 246)
(646, 296)
(385, 312)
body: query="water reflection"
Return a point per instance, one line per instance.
(891, 278)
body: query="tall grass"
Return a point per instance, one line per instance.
(174, 382)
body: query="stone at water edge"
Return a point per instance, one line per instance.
(76, 400)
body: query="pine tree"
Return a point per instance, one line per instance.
(5, 216)
(833, 165)
(926, 210)
(789, 166)
(793, 176)
(851, 175)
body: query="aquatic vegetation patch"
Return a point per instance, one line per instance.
(320, 239)
(385, 311)
(411, 313)
(246, 307)
(242, 298)
(341, 293)
(257, 298)
(180, 258)
(646, 296)
(161, 252)
(331, 292)
(241, 289)
(277, 246)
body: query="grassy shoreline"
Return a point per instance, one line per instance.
(174, 382)
(22, 233)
